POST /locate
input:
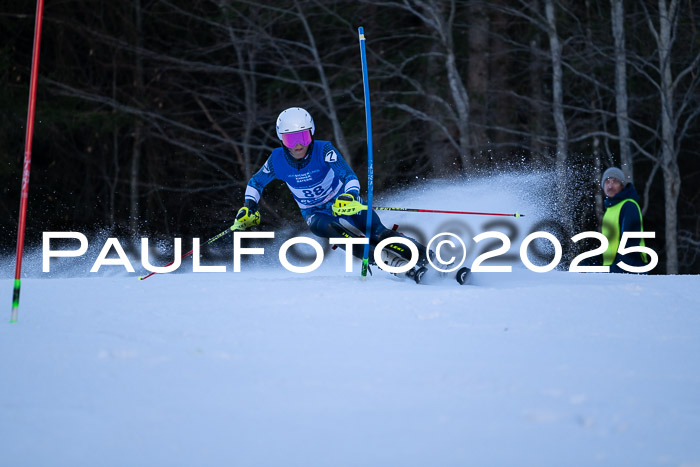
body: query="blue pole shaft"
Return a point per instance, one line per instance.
(370, 164)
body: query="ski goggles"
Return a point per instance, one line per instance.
(292, 139)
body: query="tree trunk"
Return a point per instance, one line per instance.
(134, 179)
(433, 15)
(138, 130)
(557, 95)
(618, 29)
(338, 133)
(595, 105)
(443, 159)
(672, 177)
(478, 77)
(536, 118)
(559, 119)
(502, 109)
(245, 56)
(457, 88)
(114, 182)
(597, 175)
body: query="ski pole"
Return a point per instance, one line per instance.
(355, 207)
(211, 240)
(380, 208)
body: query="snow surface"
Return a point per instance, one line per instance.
(271, 368)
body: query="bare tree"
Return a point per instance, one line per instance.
(617, 17)
(478, 75)
(537, 100)
(675, 120)
(138, 134)
(438, 17)
(173, 102)
(555, 48)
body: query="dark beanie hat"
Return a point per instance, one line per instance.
(613, 172)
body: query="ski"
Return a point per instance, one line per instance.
(418, 273)
(462, 275)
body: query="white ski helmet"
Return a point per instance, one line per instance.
(294, 119)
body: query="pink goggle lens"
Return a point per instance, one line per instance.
(292, 139)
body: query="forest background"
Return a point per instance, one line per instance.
(153, 114)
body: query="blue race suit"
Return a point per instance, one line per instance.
(315, 182)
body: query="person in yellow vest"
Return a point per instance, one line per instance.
(622, 214)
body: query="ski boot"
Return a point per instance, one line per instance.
(395, 260)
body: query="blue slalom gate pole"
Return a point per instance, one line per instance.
(370, 166)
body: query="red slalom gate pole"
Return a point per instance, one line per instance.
(27, 157)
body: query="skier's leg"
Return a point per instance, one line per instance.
(403, 250)
(380, 232)
(394, 254)
(328, 226)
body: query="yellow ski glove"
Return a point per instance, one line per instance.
(246, 218)
(346, 205)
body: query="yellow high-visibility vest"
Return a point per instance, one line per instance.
(611, 230)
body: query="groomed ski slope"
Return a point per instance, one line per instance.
(270, 368)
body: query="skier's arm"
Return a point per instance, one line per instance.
(351, 185)
(258, 182)
(248, 215)
(348, 202)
